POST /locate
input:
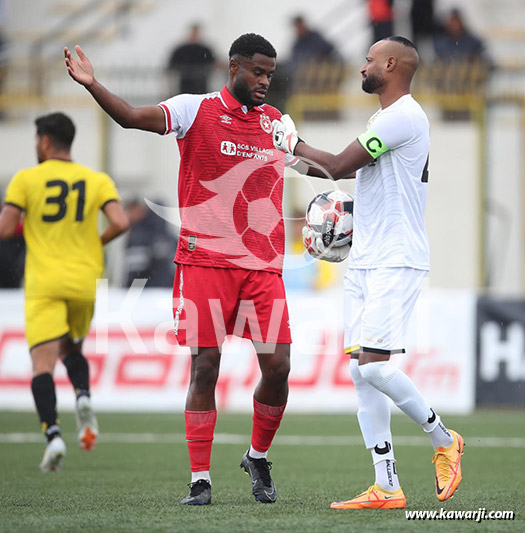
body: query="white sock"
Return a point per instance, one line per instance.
(387, 378)
(373, 412)
(438, 433)
(374, 420)
(399, 387)
(386, 475)
(254, 454)
(205, 474)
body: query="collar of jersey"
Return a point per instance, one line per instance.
(232, 103)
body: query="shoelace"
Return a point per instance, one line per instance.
(263, 468)
(197, 487)
(441, 461)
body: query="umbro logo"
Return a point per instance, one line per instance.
(226, 119)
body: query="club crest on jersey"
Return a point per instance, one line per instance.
(266, 123)
(225, 119)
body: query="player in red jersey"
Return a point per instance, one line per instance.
(231, 247)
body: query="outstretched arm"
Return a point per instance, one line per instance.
(314, 170)
(147, 118)
(321, 164)
(340, 166)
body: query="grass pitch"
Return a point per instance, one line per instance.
(136, 476)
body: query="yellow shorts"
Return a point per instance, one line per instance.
(48, 319)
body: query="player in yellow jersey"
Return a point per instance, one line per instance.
(61, 200)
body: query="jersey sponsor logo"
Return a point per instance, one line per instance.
(228, 148)
(225, 119)
(374, 339)
(266, 123)
(192, 242)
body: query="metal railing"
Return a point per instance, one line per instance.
(92, 20)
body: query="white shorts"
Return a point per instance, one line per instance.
(377, 307)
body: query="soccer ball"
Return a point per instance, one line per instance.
(330, 214)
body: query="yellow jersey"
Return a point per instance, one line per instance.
(61, 200)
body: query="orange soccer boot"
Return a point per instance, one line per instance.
(374, 498)
(448, 467)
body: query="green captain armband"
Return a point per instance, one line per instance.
(371, 142)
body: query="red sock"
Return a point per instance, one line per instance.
(266, 422)
(199, 435)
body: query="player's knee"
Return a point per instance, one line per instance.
(204, 376)
(355, 373)
(278, 371)
(42, 365)
(38, 370)
(378, 374)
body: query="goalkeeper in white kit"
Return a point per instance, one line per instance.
(387, 264)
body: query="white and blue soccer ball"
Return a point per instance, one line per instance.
(331, 214)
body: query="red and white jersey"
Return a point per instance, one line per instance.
(230, 182)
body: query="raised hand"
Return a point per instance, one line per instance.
(79, 69)
(285, 137)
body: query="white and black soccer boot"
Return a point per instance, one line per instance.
(87, 426)
(53, 455)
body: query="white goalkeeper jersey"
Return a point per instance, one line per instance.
(391, 192)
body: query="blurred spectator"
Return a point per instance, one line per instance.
(462, 65)
(315, 65)
(456, 43)
(309, 46)
(381, 16)
(150, 248)
(12, 260)
(423, 26)
(192, 62)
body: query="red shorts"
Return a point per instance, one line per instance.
(211, 303)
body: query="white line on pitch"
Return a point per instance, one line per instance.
(283, 440)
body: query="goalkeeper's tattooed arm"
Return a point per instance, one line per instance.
(312, 170)
(320, 164)
(340, 166)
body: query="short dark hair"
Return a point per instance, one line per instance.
(58, 127)
(402, 40)
(249, 44)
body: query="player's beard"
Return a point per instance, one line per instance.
(243, 93)
(372, 83)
